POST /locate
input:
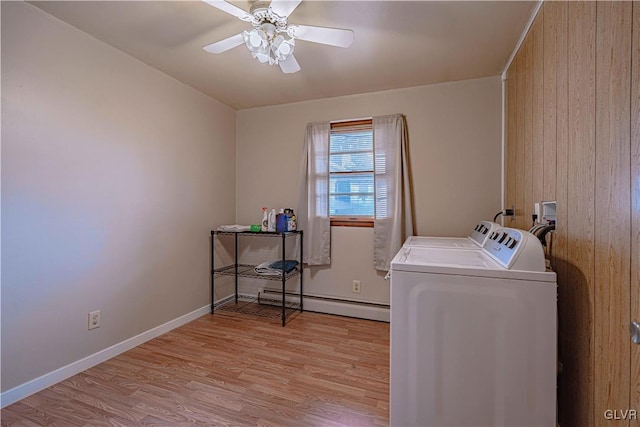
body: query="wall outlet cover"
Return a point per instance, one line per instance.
(94, 319)
(356, 286)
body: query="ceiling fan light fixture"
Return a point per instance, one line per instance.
(262, 57)
(282, 47)
(265, 47)
(255, 40)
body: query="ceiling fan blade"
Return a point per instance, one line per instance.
(283, 8)
(225, 45)
(289, 65)
(331, 36)
(230, 9)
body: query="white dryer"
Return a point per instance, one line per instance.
(473, 335)
(474, 240)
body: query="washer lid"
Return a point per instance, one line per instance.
(460, 262)
(441, 242)
(463, 258)
(474, 240)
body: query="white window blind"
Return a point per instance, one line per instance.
(351, 170)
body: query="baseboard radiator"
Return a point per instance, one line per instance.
(332, 305)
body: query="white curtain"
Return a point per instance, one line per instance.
(393, 221)
(313, 209)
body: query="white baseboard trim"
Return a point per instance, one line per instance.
(347, 309)
(23, 390)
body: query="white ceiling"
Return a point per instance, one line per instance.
(397, 44)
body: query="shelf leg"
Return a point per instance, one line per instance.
(235, 260)
(284, 276)
(213, 267)
(301, 266)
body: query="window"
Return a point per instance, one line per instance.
(356, 173)
(351, 174)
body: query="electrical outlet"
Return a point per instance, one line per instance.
(94, 319)
(356, 286)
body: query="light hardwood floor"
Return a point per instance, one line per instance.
(230, 369)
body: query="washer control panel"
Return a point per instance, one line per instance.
(482, 231)
(515, 249)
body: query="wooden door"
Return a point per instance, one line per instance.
(635, 208)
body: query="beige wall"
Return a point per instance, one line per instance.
(112, 176)
(455, 149)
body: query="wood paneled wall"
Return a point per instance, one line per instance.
(573, 135)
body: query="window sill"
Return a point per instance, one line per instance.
(352, 222)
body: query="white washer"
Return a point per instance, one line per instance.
(474, 240)
(473, 335)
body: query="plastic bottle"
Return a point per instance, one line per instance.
(271, 225)
(291, 220)
(281, 221)
(265, 219)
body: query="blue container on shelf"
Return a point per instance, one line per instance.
(282, 222)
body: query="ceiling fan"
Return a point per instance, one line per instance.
(272, 40)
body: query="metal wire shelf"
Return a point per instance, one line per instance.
(260, 307)
(248, 270)
(258, 233)
(237, 270)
